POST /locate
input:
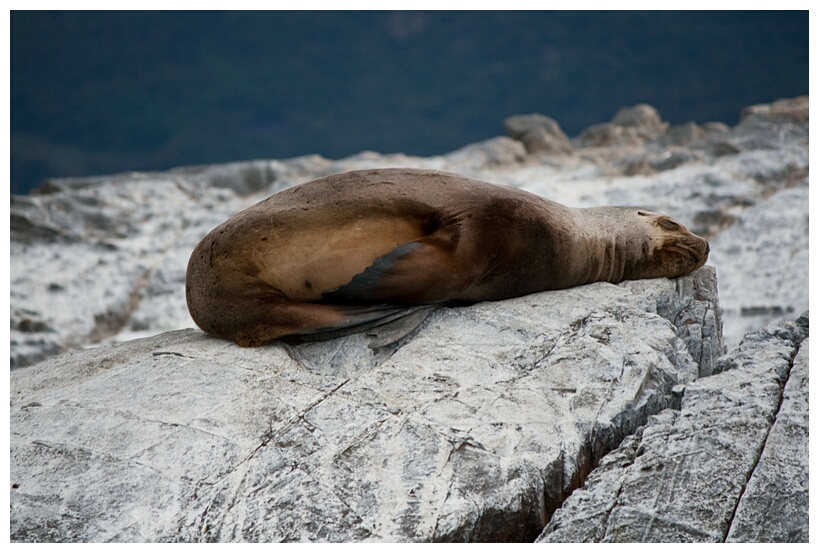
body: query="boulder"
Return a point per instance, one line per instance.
(495, 152)
(791, 110)
(630, 126)
(474, 428)
(730, 465)
(683, 135)
(540, 134)
(765, 127)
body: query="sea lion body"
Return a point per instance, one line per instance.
(352, 248)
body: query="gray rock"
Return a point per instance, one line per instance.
(499, 151)
(102, 259)
(789, 110)
(693, 308)
(540, 134)
(84, 287)
(765, 127)
(603, 135)
(630, 126)
(683, 135)
(731, 464)
(472, 429)
(643, 117)
(774, 505)
(763, 262)
(486, 418)
(651, 163)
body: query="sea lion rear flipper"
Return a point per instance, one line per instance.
(415, 273)
(385, 323)
(389, 333)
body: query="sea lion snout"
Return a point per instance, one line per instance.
(664, 247)
(683, 252)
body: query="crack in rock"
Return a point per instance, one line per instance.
(685, 475)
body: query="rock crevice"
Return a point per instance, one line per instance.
(695, 474)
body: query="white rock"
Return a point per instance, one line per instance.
(102, 259)
(730, 465)
(474, 428)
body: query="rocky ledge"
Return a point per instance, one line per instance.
(102, 259)
(475, 427)
(600, 413)
(731, 464)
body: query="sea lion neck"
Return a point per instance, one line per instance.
(606, 248)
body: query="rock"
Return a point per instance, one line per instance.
(730, 465)
(134, 232)
(630, 127)
(604, 135)
(774, 506)
(693, 310)
(766, 127)
(791, 110)
(763, 262)
(499, 151)
(683, 135)
(476, 427)
(85, 280)
(713, 127)
(473, 429)
(643, 117)
(651, 163)
(540, 134)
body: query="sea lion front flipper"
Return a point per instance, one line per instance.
(420, 272)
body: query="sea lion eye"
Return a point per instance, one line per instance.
(643, 213)
(668, 224)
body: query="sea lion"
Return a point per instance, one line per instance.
(354, 250)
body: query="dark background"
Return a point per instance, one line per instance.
(100, 92)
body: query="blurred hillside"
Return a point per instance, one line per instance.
(100, 92)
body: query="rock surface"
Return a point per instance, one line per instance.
(730, 465)
(473, 429)
(630, 126)
(540, 134)
(477, 426)
(745, 188)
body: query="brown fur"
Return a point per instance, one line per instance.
(352, 248)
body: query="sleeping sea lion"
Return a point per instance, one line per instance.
(355, 250)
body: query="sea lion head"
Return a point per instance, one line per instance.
(660, 246)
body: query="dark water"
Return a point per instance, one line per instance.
(99, 92)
